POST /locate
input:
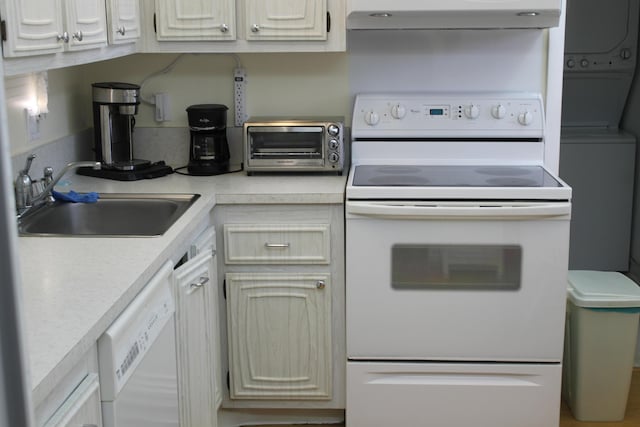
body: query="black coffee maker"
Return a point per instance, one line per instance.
(209, 150)
(115, 105)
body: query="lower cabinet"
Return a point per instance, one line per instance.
(198, 342)
(75, 399)
(279, 335)
(283, 273)
(81, 408)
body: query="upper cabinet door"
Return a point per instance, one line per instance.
(286, 19)
(33, 27)
(195, 20)
(86, 23)
(123, 17)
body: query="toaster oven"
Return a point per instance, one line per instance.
(294, 144)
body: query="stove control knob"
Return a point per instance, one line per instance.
(371, 118)
(398, 111)
(472, 111)
(525, 118)
(498, 111)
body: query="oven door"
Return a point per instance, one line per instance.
(282, 146)
(472, 281)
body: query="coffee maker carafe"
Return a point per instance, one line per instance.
(114, 108)
(209, 150)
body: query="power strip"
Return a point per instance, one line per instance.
(239, 83)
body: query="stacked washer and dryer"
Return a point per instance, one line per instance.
(597, 158)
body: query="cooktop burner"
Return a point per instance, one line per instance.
(452, 176)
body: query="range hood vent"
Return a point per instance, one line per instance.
(451, 14)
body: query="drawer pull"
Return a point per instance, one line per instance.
(320, 284)
(276, 245)
(201, 283)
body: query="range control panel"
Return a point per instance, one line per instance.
(448, 115)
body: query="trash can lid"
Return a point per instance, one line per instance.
(602, 289)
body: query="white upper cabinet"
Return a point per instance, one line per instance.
(123, 17)
(32, 27)
(35, 27)
(286, 20)
(243, 26)
(86, 24)
(195, 20)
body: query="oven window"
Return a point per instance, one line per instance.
(456, 266)
(286, 143)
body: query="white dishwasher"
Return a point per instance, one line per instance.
(137, 358)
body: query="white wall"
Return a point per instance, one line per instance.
(67, 107)
(277, 84)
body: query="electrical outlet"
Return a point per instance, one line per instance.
(33, 125)
(163, 107)
(239, 85)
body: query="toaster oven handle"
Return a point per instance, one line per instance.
(459, 210)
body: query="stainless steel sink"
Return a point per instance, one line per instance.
(127, 215)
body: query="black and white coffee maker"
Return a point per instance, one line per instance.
(209, 149)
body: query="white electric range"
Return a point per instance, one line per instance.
(457, 250)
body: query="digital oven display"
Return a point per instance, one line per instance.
(436, 111)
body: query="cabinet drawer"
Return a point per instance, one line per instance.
(276, 244)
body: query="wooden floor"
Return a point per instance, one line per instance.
(632, 416)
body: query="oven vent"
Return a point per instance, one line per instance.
(451, 14)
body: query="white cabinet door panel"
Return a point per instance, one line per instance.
(279, 328)
(33, 27)
(86, 24)
(196, 327)
(286, 19)
(195, 20)
(123, 20)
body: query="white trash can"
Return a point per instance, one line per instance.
(600, 341)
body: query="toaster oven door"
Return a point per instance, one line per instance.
(285, 147)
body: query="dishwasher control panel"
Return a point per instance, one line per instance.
(131, 335)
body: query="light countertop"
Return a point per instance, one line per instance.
(74, 287)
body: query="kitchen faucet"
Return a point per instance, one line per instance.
(25, 199)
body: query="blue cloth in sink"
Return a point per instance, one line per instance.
(74, 197)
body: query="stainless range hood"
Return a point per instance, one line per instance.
(444, 14)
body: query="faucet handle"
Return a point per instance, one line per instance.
(48, 175)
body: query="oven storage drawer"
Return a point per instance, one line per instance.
(453, 395)
(276, 244)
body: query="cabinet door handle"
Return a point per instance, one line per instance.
(255, 28)
(224, 28)
(64, 37)
(200, 283)
(320, 284)
(78, 35)
(122, 30)
(276, 245)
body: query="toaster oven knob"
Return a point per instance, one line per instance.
(334, 144)
(333, 130)
(334, 157)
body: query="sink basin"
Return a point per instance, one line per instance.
(128, 215)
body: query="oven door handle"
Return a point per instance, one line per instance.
(459, 210)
